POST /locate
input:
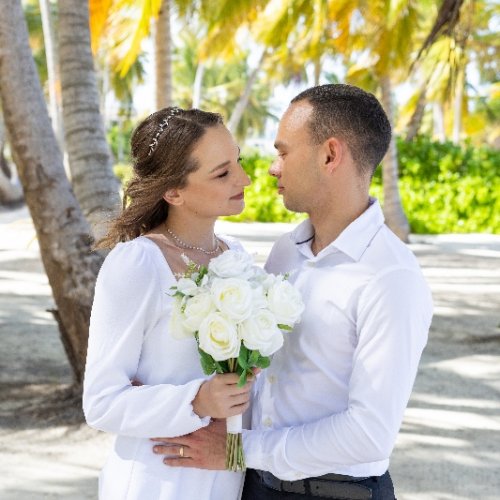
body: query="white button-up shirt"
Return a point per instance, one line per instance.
(334, 396)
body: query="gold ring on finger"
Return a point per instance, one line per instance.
(181, 451)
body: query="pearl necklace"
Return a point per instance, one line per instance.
(183, 245)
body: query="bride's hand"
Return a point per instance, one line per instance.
(220, 397)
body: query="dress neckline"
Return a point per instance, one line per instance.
(164, 259)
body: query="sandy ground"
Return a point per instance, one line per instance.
(448, 447)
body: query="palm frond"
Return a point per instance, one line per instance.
(99, 11)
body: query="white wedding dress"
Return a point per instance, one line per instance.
(129, 340)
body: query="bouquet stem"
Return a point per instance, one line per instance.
(235, 460)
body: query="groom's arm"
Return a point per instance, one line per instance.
(384, 367)
(203, 449)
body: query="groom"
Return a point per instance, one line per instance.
(327, 412)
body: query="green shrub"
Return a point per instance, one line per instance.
(124, 172)
(426, 159)
(119, 134)
(446, 188)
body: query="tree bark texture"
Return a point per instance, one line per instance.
(416, 118)
(62, 231)
(393, 210)
(163, 57)
(89, 155)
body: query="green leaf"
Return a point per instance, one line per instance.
(221, 367)
(285, 327)
(254, 356)
(263, 362)
(202, 271)
(243, 379)
(243, 356)
(208, 363)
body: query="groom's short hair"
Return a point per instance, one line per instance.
(353, 115)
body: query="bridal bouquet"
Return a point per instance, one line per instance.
(236, 311)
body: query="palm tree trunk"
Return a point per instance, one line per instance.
(3, 162)
(62, 231)
(96, 188)
(438, 120)
(52, 71)
(242, 103)
(163, 55)
(417, 116)
(393, 210)
(103, 88)
(458, 106)
(317, 71)
(198, 84)
(10, 191)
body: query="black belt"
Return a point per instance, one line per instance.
(327, 486)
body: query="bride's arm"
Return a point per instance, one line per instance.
(127, 303)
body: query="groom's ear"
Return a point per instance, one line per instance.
(173, 197)
(333, 153)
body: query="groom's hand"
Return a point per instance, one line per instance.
(203, 449)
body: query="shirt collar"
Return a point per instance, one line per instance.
(352, 241)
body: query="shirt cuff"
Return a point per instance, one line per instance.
(194, 387)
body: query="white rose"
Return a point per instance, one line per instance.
(261, 333)
(233, 297)
(196, 310)
(218, 337)
(259, 297)
(187, 286)
(267, 280)
(285, 302)
(232, 264)
(176, 322)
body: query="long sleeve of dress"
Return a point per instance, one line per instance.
(128, 303)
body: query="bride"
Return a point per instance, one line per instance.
(187, 172)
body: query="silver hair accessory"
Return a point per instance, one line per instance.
(163, 125)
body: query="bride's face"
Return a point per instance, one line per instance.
(217, 187)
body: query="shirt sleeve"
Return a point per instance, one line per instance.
(127, 302)
(394, 315)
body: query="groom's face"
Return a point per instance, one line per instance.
(296, 166)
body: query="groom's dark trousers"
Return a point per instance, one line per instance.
(260, 485)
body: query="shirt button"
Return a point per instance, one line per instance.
(268, 422)
(271, 379)
(310, 263)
